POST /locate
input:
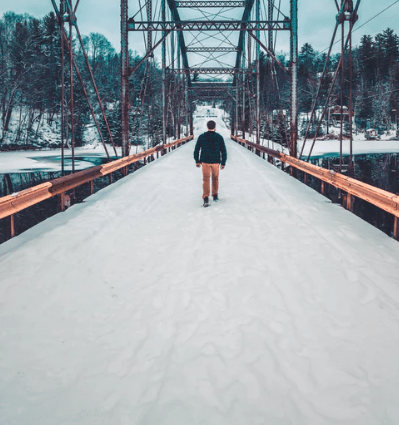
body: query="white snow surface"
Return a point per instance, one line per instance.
(139, 306)
(360, 146)
(50, 160)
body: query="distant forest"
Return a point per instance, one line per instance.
(30, 88)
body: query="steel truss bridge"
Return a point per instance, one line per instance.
(220, 43)
(211, 50)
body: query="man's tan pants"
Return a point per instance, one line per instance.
(207, 170)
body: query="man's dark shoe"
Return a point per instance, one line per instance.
(206, 202)
(215, 198)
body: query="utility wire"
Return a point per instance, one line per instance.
(382, 11)
(357, 28)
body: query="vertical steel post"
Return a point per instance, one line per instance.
(179, 78)
(250, 87)
(71, 87)
(350, 117)
(149, 47)
(269, 114)
(237, 97)
(342, 88)
(294, 77)
(172, 95)
(62, 31)
(186, 100)
(233, 115)
(270, 33)
(149, 19)
(164, 109)
(191, 120)
(124, 78)
(257, 75)
(243, 78)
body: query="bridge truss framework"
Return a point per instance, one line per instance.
(246, 68)
(181, 84)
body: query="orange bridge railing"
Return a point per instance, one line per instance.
(16, 202)
(382, 199)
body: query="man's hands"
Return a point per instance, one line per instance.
(198, 165)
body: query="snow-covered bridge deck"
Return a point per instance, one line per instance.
(139, 306)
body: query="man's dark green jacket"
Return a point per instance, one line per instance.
(210, 148)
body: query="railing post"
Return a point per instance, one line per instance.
(91, 183)
(349, 202)
(323, 188)
(12, 225)
(62, 201)
(110, 178)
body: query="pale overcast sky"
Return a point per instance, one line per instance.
(316, 18)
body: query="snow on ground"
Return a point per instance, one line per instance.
(50, 160)
(138, 306)
(360, 146)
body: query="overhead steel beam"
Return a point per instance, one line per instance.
(210, 86)
(210, 93)
(211, 49)
(211, 3)
(284, 25)
(209, 71)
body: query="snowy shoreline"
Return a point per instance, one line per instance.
(29, 161)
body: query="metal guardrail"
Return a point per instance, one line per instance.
(382, 199)
(16, 202)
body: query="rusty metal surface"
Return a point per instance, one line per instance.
(211, 25)
(124, 77)
(16, 202)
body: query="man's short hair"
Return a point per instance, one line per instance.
(211, 125)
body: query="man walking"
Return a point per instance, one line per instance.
(210, 152)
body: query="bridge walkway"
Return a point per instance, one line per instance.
(138, 306)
